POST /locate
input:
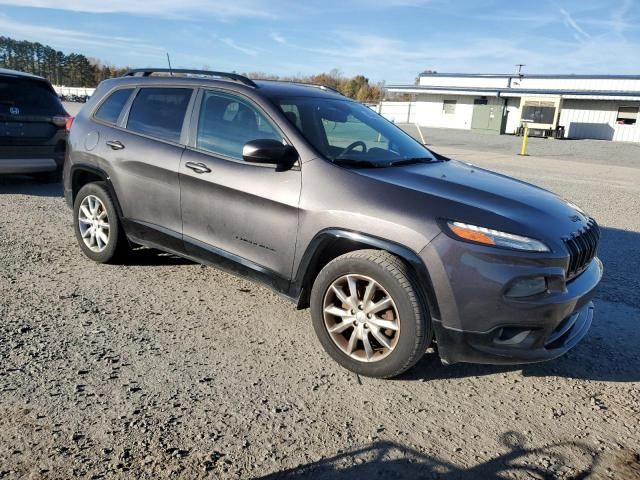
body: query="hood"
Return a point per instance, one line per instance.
(474, 195)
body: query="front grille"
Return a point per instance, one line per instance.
(582, 246)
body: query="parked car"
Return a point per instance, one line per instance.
(33, 126)
(391, 245)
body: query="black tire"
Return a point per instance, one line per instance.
(400, 282)
(117, 245)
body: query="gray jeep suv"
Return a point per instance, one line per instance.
(391, 245)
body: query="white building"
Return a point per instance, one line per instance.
(80, 91)
(571, 106)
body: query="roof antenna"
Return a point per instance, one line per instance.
(169, 62)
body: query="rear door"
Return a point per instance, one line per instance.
(142, 155)
(27, 110)
(239, 210)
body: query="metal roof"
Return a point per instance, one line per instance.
(511, 92)
(528, 75)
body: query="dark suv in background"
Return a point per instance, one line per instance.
(33, 126)
(318, 197)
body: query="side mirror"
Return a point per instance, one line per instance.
(270, 151)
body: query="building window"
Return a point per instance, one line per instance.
(449, 107)
(627, 115)
(539, 112)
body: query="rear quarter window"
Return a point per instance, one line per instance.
(111, 108)
(159, 112)
(28, 97)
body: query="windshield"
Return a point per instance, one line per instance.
(350, 133)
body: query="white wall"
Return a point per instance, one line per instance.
(611, 84)
(594, 119)
(62, 90)
(513, 118)
(429, 111)
(479, 82)
(397, 112)
(606, 84)
(597, 119)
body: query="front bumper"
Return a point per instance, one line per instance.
(457, 346)
(477, 323)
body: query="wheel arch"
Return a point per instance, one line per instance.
(333, 242)
(81, 175)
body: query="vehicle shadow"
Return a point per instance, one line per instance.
(25, 185)
(609, 352)
(385, 459)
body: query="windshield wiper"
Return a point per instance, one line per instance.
(354, 162)
(410, 161)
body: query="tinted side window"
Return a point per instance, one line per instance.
(227, 123)
(159, 112)
(110, 109)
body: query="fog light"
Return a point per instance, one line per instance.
(527, 287)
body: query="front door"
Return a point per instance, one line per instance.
(244, 212)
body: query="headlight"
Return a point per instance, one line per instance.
(488, 236)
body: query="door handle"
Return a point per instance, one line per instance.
(197, 167)
(115, 144)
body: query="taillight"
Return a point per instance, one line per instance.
(63, 121)
(68, 123)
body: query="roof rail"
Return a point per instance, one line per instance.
(303, 84)
(322, 87)
(147, 72)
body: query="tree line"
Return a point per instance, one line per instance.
(358, 87)
(71, 70)
(77, 70)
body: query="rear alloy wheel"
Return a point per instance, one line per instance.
(93, 222)
(369, 315)
(96, 224)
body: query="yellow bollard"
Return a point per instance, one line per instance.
(523, 150)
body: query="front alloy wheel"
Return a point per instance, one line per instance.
(361, 318)
(369, 313)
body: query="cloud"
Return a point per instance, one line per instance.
(235, 46)
(278, 38)
(71, 39)
(619, 15)
(160, 8)
(570, 22)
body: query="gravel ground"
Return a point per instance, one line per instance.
(166, 369)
